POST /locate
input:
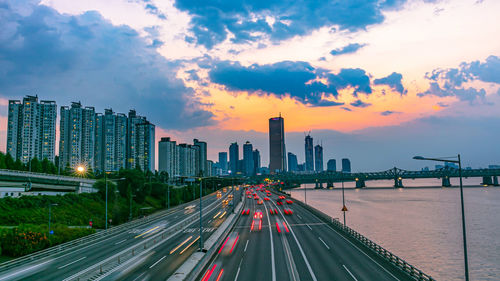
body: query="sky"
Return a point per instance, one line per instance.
(376, 81)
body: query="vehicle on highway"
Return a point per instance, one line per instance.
(219, 194)
(289, 201)
(266, 198)
(224, 202)
(214, 273)
(245, 212)
(189, 207)
(281, 197)
(229, 244)
(279, 202)
(258, 214)
(260, 202)
(249, 197)
(273, 211)
(224, 189)
(281, 226)
(288, 211)
(256, 224)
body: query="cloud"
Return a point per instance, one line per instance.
(360, 103)
(389, 112)
(346, 108)
(296, 79)
(393, 81)
(247, 21)
(349, 49)
(67, 58)
(450, 82)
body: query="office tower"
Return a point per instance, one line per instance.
(309, 153)
(256, 160)
(240, 167)
(248, 168)
(31, 129)
(168, 159)
(202, 158)
(331, 165)
(223, 162)
(145, 146)
(233, 158)
(277, 158)
(318, 158)
(346, 165)
(301, 167)
(131, 142)
(77, 136)
(292, 162)
(210, 168)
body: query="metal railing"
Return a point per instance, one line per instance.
(386, 255)
(45, 176)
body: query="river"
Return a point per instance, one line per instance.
(423, 224)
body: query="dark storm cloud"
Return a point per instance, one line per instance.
(349, 49)
(393, 81)
(67, 58)
(213, 21)
(449, 82)
(296, 79)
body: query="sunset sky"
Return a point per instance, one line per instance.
(377, 81)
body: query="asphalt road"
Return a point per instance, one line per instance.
(310, 250)
(62, 266)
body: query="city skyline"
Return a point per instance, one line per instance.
(359, 83)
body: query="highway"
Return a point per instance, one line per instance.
(305, 249)
(158, 264)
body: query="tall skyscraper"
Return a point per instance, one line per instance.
(277, 158)
(31, 129)
(346, 165)
(202, 157)
(234, 156)
(318, 158)
(132, 122)
(292, 162)
(77, 136)
(223, 162)
(168, 159)
(331, 165)
(99, 142)
(145, 143)
(256, 160)
(249, 168)
(309, 153)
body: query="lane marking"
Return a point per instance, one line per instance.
(180, 245)
(309, 227)
(139, 276)
(217, 214)
(299, 216)
(120, 241)
(190, 244)
(324, 243)
(272, 246)
(223, 214)
(157, 262)
(75, 261)
(238, 272)
(348, 271)
(246, 245)
(156, 227)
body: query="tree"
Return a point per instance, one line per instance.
(9, 161)
(2, 161)
(36, 166)
(101, 186)
(18, 165)
(133, 178)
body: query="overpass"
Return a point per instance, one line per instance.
(489, 177)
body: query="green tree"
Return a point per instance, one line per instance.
(101, 186)
(36, 166)
(18, 165)
(9, 161)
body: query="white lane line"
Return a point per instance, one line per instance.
(309, 227)
(238, 272)
(348, 271)
(272, 245)
(68, 264)
(299, 216)
(157, 262)
(324, 243)
(246, 245)
(139, 276)
(120, 241)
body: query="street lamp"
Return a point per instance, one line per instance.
(459, 162)
(344, 208)
(201, 226)
(80, 170)
(50, 205)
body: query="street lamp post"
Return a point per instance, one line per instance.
(201, 226)
(50, 205)
(344, 208)
(464, 232)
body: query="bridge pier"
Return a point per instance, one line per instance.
(319, 185)
(445, 182)
(398, 183)
(495, 180)
(329, 185)
(360, 183)
(487, 181)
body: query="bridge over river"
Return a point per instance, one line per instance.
(487, 177)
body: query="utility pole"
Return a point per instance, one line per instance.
(201, 226)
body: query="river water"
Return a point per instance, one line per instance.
(422, 224)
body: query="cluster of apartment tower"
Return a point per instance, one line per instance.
(183, 160)
(102, 142)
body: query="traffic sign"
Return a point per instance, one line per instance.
(51, 232)
(90, 223)
(344, 209)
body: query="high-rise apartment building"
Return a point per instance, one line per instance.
(256, 160)
(77, 136)
(292, 162)
(249, 168)
(234, 156)
(309, 153)
(131, 142)
(145, 143)
(187, 160)
(346, 165)
(201, 164)
(168, 158)
(331, 165)
(223, 162)
(31, 129)
(277, 158)
(318, 158)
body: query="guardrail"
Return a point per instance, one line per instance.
(45, 176)
(398, 262)
(87, 239)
